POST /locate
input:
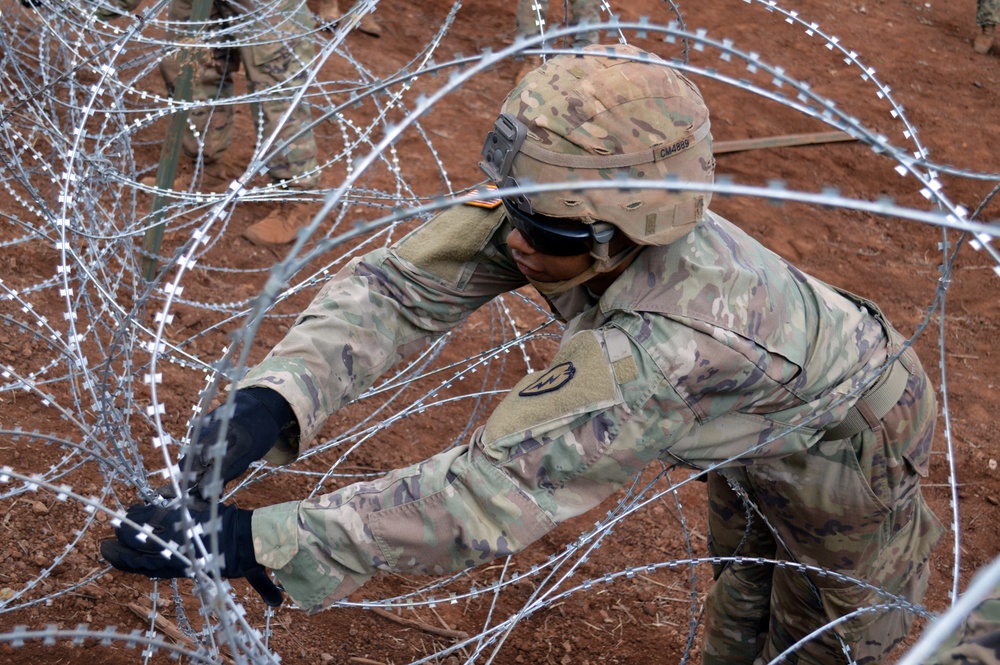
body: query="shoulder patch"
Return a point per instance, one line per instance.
(552, 380)
(580, 380)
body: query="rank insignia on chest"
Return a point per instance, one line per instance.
(554, 379)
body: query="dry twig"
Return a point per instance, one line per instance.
(170, 629)
(420, 625)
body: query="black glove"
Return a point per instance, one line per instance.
(32, 3)
(260, 418)
(133, 551)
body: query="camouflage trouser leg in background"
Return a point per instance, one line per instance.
(987, 12)
(274, 59)
(528, 12)
(279, 66)
(209, 128)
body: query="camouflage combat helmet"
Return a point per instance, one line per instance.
(600, 117)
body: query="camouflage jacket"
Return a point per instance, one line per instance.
(711, 350)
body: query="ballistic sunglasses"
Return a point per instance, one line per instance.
(552, 235)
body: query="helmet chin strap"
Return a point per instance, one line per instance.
(602, 264)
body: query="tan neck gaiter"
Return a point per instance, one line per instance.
(601, 264)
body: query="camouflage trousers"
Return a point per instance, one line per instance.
(273, 48)
(852, 508)
(529, 12)
(987, 12)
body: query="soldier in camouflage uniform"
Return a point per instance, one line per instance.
(686, 341)
(987, 17)
(329, 14)
(275, 46)
(531, 16)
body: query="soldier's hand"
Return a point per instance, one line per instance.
(32, 3)
(260, 417)
(135, 550)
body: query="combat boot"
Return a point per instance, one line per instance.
(328, 12)
(329, 15)
(984, 40)
(215, 178)
(280, 226)
(370, 26)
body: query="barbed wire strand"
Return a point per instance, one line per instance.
(78, 110)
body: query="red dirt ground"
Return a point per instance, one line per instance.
(921, 50)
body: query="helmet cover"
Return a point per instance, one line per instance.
(614, 112)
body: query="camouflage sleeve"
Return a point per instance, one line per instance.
(560, 443)
(379, 309)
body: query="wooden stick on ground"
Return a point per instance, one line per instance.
(420, 625)
(170, 629)
(788, 140)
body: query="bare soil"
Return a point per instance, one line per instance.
(921, 50)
